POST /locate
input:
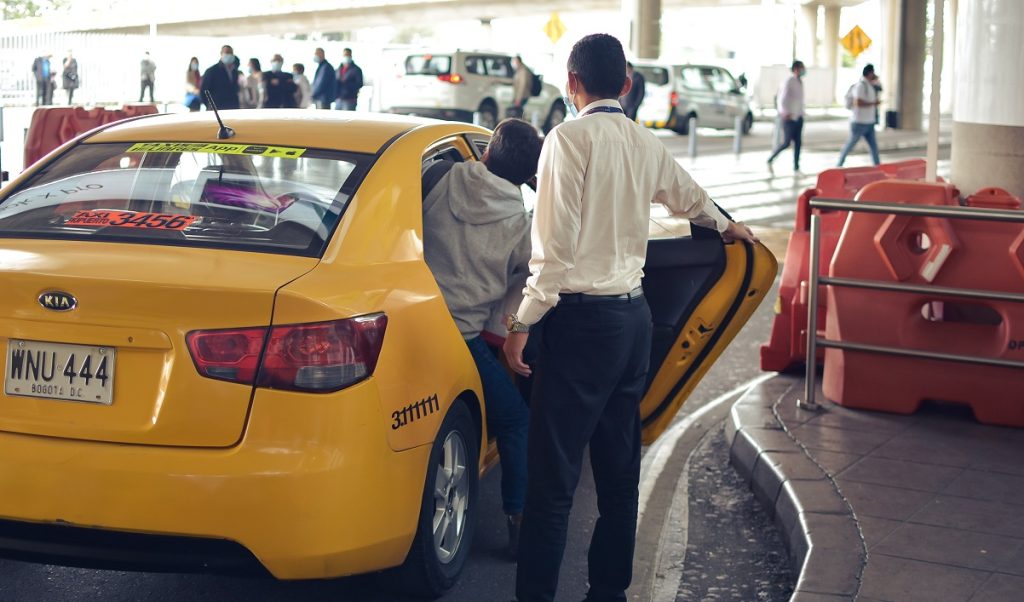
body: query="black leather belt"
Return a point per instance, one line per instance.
(636, 293)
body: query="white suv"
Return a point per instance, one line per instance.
(674, 93)
(455, 85)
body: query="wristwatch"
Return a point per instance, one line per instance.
(513, 324)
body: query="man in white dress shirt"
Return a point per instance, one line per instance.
(597, 178)
(790, 104)
(863, 101)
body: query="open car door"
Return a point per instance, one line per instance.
(701, 292)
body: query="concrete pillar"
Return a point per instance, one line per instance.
(988, 115)
(913, 49)
(807, 39)
(830, 44)
(892, 11)
(646, 39)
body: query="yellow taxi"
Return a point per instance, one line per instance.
(226, 352)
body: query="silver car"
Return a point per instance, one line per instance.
(674, 93)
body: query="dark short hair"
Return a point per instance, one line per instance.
(795, 65)
(600, 65)
(514, 151)
(228, 48)
(348, 50)
(868, 69)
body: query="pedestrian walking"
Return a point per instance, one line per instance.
(862, 100)
(325, 81)
(790, 104)
(475, 222)
(69, 76)
(597, 177)
(147, 76)
(221, 81)
(304, 91)
(522, 86)
(193, 83)
(251, 89)
(44, 76)
(631, 102)
(278, 86)
(350, 81)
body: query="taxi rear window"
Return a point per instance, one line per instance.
(428, 64)
(239, 196)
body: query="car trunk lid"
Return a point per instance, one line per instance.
(93, 336)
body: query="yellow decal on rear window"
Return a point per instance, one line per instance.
(261, 150)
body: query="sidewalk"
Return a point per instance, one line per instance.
(880, 507)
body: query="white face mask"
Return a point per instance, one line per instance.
(276, 65)
(346, 60)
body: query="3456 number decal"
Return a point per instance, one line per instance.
(132, 219)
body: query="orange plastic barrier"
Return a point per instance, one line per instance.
(930, 251)
(53, 126)
(787, 347)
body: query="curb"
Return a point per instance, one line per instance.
(817, 523)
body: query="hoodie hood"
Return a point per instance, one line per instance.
(476, 196)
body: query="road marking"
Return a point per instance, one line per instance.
(658, 454)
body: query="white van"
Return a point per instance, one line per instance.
(455, 85)
(674, 93)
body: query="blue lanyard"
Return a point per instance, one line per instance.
(603, 110)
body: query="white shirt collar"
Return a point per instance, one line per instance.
(608, 102)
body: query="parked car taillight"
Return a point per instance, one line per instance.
(451, 78)
(319, 357)
(232, 355)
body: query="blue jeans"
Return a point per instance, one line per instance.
(858, 131)
(346, 104)
(508, 418)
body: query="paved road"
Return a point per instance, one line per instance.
(677, 540)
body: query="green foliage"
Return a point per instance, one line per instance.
(20, 9)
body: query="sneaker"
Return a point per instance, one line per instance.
(515, 523)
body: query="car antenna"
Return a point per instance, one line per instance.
(225, 132)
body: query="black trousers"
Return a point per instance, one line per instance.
(146, 83)
(589, 380)
(793, 133)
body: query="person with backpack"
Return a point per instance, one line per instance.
(524, 82)
(862, 100)
(790, 103)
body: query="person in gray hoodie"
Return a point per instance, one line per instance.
(476, 240)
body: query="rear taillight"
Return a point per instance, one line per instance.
(675, 99)
(232, 355)
(319, 357)
(451, 78)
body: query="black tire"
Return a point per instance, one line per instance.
(748, 123)
(425, 573)
(681, 126)
(488, 114)
(555, 116)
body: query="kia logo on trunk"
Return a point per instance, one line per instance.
(58, 301)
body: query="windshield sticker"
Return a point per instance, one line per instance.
(131, 219)
(260, 150)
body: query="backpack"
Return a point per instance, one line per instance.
(851, 96)
(536, 85)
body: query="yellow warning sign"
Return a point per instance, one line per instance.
(856, 41)
(554, 28)
(261, 150)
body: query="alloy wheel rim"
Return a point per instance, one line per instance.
(451, 498)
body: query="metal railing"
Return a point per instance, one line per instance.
(815, 281)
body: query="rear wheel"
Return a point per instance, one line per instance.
(555, 117)
(448, 509)
(488, 114)
(681, 125)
